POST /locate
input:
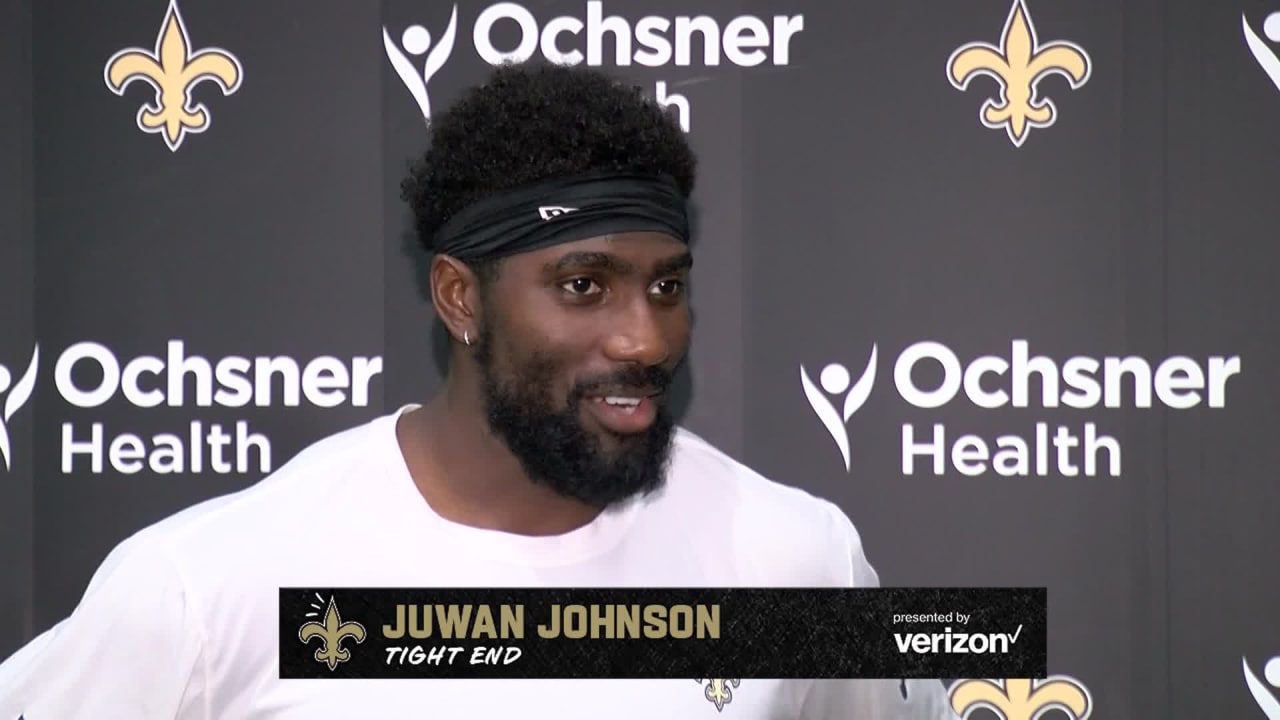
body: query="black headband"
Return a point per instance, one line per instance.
(563, 210)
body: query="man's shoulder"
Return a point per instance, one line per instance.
(318, 474)
(789, 533)
(701, 467)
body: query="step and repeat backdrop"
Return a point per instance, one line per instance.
(996, 276)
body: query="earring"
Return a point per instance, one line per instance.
(466, 338)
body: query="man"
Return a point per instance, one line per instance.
(554, 200)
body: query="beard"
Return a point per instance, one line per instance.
(550, 442)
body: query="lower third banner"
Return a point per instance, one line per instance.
(662, 633)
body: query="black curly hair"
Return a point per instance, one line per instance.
(536, 121)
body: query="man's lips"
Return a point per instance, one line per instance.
(624, 411)
(623, 393)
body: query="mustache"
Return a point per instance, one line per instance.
(648, 379)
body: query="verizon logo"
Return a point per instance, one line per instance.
(956, 643)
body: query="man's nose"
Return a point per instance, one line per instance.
(638, 336)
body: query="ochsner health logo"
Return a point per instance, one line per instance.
(94, 379)
(651, 41)
(835, 380)
(16, 397)
(1262, 694)
(1265, 56)
(416, 42)
(1024, 382)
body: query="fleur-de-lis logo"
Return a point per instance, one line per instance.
(173, 71)
(1019, 64)
(1023, 699)
(331, 634)
(718, 691)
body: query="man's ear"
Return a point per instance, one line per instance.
(455, 292)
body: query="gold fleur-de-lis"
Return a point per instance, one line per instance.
(331, 634)
(718, 691)
(1018, 699)
(1019, 64)
(172, 70)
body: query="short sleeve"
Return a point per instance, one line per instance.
(841, 699)
(132, 648)
(852, 558)
(879, 699)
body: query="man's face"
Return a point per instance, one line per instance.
(577, 349)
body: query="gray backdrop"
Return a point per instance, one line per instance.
(850, 198)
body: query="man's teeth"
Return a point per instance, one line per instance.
(623, 401)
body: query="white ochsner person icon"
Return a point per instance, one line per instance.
(1263, 695)
(417, 42)
(835, 380)
(1263, 54)
(18, 395)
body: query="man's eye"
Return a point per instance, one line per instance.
(581, 286)
(668, 287)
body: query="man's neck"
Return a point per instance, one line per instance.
(469, 476)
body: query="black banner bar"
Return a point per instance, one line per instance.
(662, 633)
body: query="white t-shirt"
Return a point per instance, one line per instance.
(181, 620)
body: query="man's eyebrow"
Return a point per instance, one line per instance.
(590, 261)
(585, 260)
(683, 261)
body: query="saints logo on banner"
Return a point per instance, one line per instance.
(331, 631)
(173, 71)
(719, 691)
(1018, 65)
(1020, 699)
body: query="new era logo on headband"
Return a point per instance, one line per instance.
(549, 211)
